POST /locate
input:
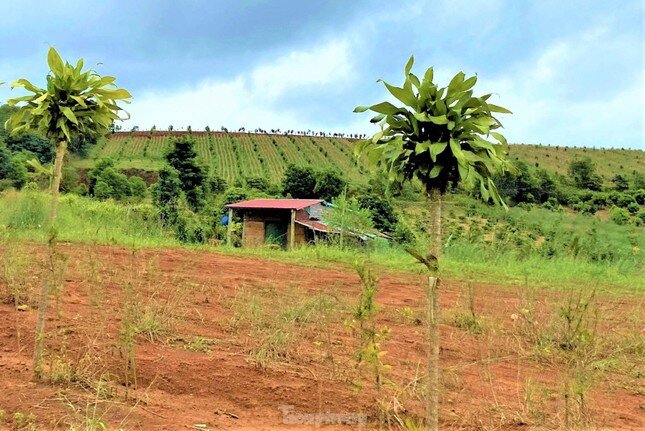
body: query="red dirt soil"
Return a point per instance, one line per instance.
(485, 378)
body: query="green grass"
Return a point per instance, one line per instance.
(23, 217)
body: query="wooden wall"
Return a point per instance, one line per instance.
(253, 226)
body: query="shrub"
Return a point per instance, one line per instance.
(619, 216)
(138, 187)
(633, 208)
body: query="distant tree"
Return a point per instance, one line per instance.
(620, 183)
(546, 186)
(12, 169)
(215, 184)
(346, 216)
(183, 158)
(258, 183)
(39, 147)
(329, 184)
(81, 144)
(440, 137)
(382, 211)
(166, 193)
(95, 172)
(519, 186)
(70, 179)
(75, 102)
(583, 174)
(299, 182)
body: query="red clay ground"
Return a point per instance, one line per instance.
(490, 381)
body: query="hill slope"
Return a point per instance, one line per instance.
(237, 155)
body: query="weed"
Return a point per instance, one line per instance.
(369, 334)
(468, 319)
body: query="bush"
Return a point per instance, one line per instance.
(215, 184)
(138, 187)
(619, 216)
(624, 200)
(69, 180)
(633, 208)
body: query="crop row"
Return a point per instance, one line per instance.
(234, 156)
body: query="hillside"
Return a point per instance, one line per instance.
(236, 155)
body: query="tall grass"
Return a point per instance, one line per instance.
(22, 216)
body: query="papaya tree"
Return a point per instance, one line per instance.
(75, 103)
(443, 137)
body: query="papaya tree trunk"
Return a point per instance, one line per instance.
(432, 310)
(46, 287)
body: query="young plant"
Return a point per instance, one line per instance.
(370, 335)
(440, 137)
(75, 103)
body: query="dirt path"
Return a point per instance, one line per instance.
(203, 369)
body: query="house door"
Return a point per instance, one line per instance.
(275, 233)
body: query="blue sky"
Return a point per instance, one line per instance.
(571, 71)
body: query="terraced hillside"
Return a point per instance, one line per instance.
(609, 161)
(236, 155)
(232, 155)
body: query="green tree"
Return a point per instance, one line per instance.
(583, 174)
(299, 182)
(115, 184)
(12, 169)
(258, 183)
(75, 102)
(39, 147)
(620, 183)
(442, 137)
(183, 159)
(329, 184)
(382, 211)
(346, 216)
(519, 186)
(166, 193)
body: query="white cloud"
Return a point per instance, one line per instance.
(563, 96)
(248, 99)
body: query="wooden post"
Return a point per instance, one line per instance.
(229, 226)
(292, 230)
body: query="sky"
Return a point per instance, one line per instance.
(571, 71)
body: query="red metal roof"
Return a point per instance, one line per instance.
(285, 204)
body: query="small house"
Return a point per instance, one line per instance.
(284, 222)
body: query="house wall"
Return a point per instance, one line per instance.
(253, 226)
(299, 237)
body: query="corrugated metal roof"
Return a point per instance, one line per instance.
(285, 204)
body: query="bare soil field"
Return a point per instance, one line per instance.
(179, 339)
